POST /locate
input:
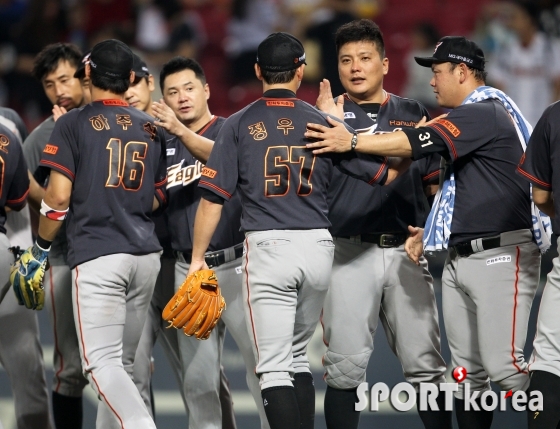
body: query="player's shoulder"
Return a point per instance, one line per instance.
(479, 110)
(404, 103)
(5, 130)
(552, 112)
(9, 142)
(549, 120)
(10, 114)
(236, 118)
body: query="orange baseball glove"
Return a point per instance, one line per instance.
(197, 305)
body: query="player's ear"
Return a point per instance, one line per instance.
(132, 76)
(207, 91)
(463, 72)
(151, 84)
(87, 70)
(258, 72)
(385, 66)
(299, 72)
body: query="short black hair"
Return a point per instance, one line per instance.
(178, 64)
(106, 83)
(360, 30)
(479, 75)
(272, 78)
(48, 59)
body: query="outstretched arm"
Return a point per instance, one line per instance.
(199, 146)
(338, 139)
(205, 224)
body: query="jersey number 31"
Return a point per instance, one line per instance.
(125, 166)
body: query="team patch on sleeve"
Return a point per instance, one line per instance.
(51, 149)
(208, 172)
(450, 127)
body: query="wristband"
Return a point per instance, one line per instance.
(354, 141)
(44, 245)
(51, 213)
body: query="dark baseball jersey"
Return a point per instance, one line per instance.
(356, 208)
(14, 123)
(183, 175)
(33, 147)
(482, 143)
(539, 163)
(14, 181)
(115, 157)
(261, 151)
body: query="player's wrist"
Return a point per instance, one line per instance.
(354, 141)
(43, 244)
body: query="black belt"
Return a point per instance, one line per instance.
(474, 246)
(382, 240)
(217, 258)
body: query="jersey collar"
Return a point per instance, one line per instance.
(112, 102)
(279, 93)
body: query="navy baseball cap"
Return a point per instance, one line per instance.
(280, 52)
(455, 49)
(111, 58)
(139, 67)
(81, 70)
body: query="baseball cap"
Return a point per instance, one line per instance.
(81, 70)
(455, 49)
(280, 52)
(111, 58)
(139, 67)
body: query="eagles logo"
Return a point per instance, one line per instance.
(4, 142)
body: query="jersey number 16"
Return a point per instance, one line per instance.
(125, 166)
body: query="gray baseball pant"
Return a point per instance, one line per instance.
(286, 274)
(371, 283)
(487, 300)
(111, 295)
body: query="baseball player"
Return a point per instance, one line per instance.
(14, 188)
(538, 167)
(184, 113)
(492, 269)
(113, 251)
(369, 225)
(260, 152)
(139, 96)
(55, 67)
(21, 353)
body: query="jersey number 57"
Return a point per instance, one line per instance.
(278, 164)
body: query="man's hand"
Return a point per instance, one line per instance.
(414, 246)
(430, 122)
(329, 139)
(197, 265)
(325, 101)
(166, 118)
(58, 111)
